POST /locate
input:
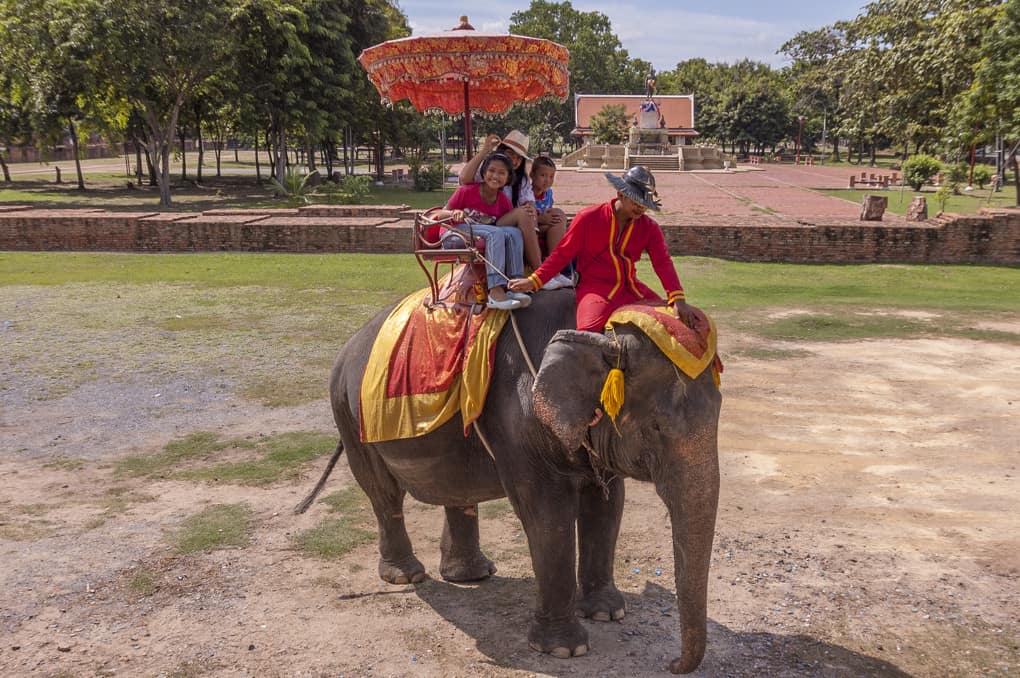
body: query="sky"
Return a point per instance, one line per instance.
(664, 32)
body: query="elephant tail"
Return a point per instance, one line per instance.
(307, 501)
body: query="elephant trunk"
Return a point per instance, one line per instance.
(691, 495)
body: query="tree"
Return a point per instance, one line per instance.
(598, 62)
(155, 55)
(815, 81)
(992, 103)
(50, 43)
(609, 125)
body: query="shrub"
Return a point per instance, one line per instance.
(295, 187)
(982, 175)
(957, 173)
(354, 189)
(942, 195)
(345, 190)
(428, 176)
(919, 169)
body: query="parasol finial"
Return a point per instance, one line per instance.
(464, 25)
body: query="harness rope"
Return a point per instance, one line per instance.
(531, 368)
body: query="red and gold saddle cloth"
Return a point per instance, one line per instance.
(691, 350)
(426, 365)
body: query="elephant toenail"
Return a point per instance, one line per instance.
(580, 650)
(619, 614)
(535, 646)
(600, 616)
(418, 577)
(561, 653)
(400, 580)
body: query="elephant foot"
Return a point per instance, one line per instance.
(471, 568)
(602, 605)
(406, 571)
(562, 640)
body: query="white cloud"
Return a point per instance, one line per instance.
(658, 32)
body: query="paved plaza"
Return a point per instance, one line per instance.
(774, 195)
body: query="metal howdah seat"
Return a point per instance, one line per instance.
(432, 250)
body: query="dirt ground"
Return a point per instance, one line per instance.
(868, 525)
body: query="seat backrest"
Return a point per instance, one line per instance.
(427, 233)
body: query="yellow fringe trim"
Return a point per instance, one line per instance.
(612, 393)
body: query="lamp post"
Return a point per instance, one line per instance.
(800, 131)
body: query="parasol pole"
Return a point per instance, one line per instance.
(467, 122)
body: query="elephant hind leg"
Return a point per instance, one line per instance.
(397, 562)
(462, 557)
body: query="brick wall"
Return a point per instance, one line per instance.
(991, 237)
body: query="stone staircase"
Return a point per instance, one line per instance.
(656, 163)
(700, 158)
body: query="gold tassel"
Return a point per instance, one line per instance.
(612, 393)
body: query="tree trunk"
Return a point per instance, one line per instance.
(184, 156)
(138, 161)
(258, 166)
(201, 147)
(328, 159)
(347, 160)
(219, 153)
(281, 153)
(6, 170)
(160, 135)
(310, 152)
(151, 167)
(77, 157)
(1016, 178)
(874, 153)
(835, 150)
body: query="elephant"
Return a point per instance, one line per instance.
(559, 462)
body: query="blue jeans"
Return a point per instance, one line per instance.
(504, 248)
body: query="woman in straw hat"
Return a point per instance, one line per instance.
(607, 241)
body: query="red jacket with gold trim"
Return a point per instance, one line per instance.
(607, 252)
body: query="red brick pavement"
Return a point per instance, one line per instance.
(778, 194)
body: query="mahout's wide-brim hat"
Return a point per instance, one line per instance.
(638, 184)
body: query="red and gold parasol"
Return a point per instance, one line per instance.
(464, 71)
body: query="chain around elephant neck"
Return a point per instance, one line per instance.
(600, 469)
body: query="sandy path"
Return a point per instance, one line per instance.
(868, 525)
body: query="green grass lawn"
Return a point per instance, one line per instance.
(899, 201)
(268, 326)
(111, 191)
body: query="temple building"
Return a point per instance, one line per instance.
(660, 134)
(674, 113)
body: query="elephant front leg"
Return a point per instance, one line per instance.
(462, 557)
(549, 523)
(598, 525)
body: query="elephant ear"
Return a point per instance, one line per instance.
(566, 391)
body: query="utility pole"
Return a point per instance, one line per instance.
(1000, 159)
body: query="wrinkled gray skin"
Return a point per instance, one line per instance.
(667, 436)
